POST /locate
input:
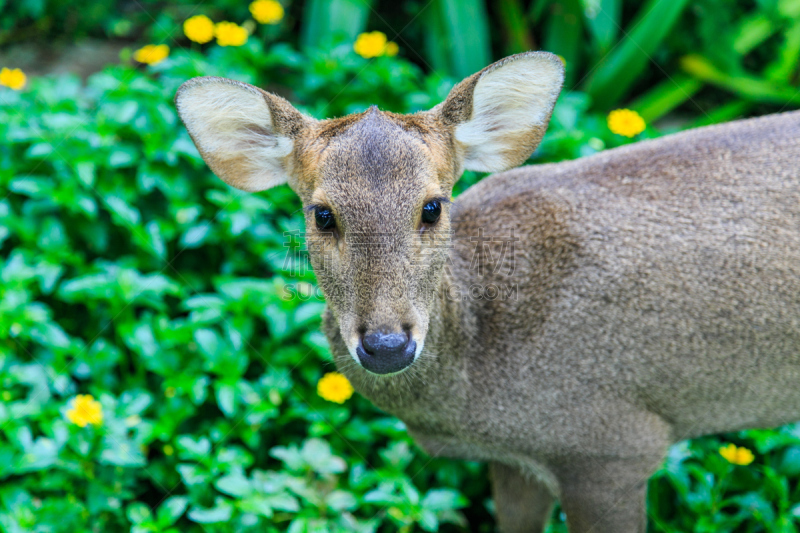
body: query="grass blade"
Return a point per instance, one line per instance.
(616, 73)
(666, 96)
(327, 22)
(564, 35)
(603, 21)
(754, 30)
(457, 36)
(785, 65)
(724, 113)
(518, 37)
(747, 87)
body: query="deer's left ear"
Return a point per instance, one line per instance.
(244, 134)
(500, 114)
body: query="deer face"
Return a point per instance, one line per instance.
(377, 232)
(375, 186)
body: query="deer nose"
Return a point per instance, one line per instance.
(385, 353)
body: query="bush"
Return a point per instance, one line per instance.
(132, 274)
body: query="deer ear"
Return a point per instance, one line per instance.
(500, 114)
(244, 134)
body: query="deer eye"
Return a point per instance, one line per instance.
(431, 212)
(324, 219)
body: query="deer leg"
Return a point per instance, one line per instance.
(606, 496)
(522, 504)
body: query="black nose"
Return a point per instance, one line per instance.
(384, 353)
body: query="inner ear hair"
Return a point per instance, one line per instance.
(246, 135)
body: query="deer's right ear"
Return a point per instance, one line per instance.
(244, 134)
(500, 114)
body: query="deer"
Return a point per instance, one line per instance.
(564, 322)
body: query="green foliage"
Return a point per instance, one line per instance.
(613, 48)
(187, 309)
(130, 273)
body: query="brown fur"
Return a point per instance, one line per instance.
(657, 296)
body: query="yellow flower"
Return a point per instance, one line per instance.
(334, 387)
(230, 34)
(169, 392)
(14, 79)
(85, 410)
(151, 54)
(168, 450)
(199, 29)
(738, 456)
(267, 11)
(374, 44)
(625, 122)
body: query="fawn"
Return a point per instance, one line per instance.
(564, 322)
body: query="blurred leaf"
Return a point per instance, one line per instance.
(221, 512)
(171, 509)
(443, 499)
(234, 484)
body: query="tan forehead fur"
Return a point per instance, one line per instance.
(436, 142)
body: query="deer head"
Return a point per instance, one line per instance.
(375, 185)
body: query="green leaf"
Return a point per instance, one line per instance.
(317, 455)
(138, 512)
(443, 500)
(234, 484)
(197, 448)
(341, 500)
(282, 502)
(40, 150)
(221, 512)
(428, 520)
(195, 235)
(226, 396)
(172, 509)
(381, 497)
(29, 186)
(122, 156)
(193, 475)
(790, 461)
(87, 172)
(118, 451)
(124, 211)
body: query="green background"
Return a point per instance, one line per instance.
(129, 272)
